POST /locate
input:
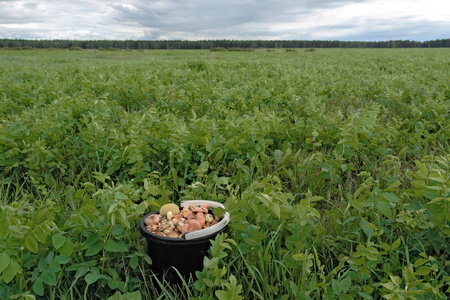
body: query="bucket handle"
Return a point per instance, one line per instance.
(210, 230)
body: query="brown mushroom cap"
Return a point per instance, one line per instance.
(173, 234)
(191, 225)
(169, 207)
(152, 220)
(201, 219)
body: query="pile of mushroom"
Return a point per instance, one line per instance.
(171, 222)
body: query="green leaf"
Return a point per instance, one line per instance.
(50, 257)
(40, 234)
(396, 243)
(313, 282)
(447, 231)
(132, 296)
(126, 296)
(4, 261)
(346, 283)
(300, 256)
(91, 239)
(414, 293)
(117, 229)
(329, 295)
(420, 262)
(100, 177)
(112, 284)
(94, 248)
(335, 286)
(199, 285)
(423, 169)
(49, 277)
(391, 197)
(394, 186)
(120, 196)
(388, 285)
(226, 295)
(368, 289)
(42, 264)
(123, 214)
(314, 212)
(364, 295)
(117, 296)
(423, 270)
(385, 246)
(252, 242)
(408, 274)
(140, 209)
(437, 178)
(315, 198)
(385, 208)
(38, 287)
(148, 259)
(345, 297)
(418, 184)
(209, 263)
(92, 277)
(116, 246)
(62, 259)
(219, 212)
(175, 178)
(435, 187)
(275, 208)
(58, 240)
(113, 273)
(10, 272)
(81, 271)
(4, 227)
(31, 244)
(134, 261)
(68, 248)
(54, 266)
(294, 288)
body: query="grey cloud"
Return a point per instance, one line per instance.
(415, 31)
(206, 19)
(31, 5)
(11, 13)
(210, 17)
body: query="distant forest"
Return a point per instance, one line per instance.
(211, 44)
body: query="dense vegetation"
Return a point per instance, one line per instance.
(210, 44)
(334, 165)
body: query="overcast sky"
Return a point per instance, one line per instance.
(363, 20)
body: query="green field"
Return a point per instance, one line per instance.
(334, 165)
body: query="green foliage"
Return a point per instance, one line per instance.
(114, 45)
(334, 166)
(74, 48)
(214, 274)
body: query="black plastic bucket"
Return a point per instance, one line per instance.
(168, 253)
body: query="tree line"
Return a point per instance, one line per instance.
(211, 44)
